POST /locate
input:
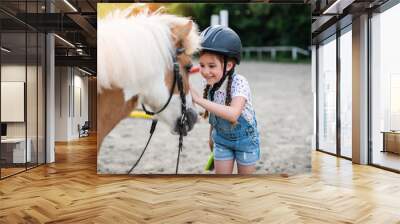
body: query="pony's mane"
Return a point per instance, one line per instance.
(134, 49)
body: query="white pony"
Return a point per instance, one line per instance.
(135, 64)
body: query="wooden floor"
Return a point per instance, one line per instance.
(10, 171)
(70, 191)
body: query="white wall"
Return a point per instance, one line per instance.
(62, 81)
(71, 93)
(80, 102)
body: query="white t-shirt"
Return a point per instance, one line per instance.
(240, 87)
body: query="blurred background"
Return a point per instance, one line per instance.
(283, 26)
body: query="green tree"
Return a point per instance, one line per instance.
(257, 24)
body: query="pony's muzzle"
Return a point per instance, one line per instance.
(190, 121)
(192, 118)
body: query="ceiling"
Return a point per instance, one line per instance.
(72, 20)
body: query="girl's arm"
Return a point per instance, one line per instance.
(230, 113)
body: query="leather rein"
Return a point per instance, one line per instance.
(181, 121)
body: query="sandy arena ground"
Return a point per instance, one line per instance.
(283, 101)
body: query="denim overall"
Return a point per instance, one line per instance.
(240, 141)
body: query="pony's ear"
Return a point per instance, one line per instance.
(186, 29)
(182, 31)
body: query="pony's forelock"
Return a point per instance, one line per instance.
(192, 41)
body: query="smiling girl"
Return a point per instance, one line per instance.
(227, 99)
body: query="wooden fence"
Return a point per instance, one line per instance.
(271, 50)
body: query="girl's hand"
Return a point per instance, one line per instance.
(194, 69)
(195, 95)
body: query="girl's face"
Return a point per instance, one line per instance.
(211, 67)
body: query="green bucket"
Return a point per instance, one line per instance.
(210, 163)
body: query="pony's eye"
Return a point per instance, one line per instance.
(188, 67)
(180, 50)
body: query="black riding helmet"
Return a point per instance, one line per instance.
(221, 40)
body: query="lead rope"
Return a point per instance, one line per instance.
(183, 119)
(153, 127)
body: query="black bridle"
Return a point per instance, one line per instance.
(182, 120)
